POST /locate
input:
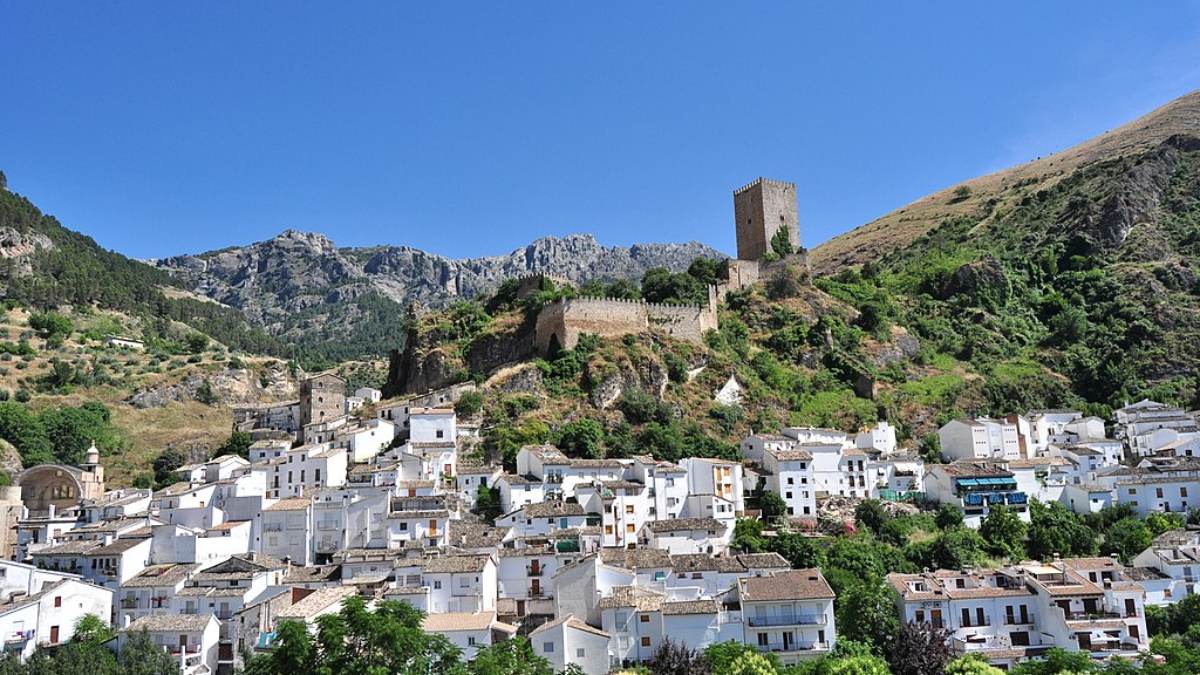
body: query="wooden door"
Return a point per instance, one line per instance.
(53, 635)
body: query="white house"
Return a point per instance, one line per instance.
(568, 640)
(789, 614)
(192, 638)
(469, 631)
(48, 615)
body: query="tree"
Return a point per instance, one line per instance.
(581, 438)
(197, 342)
(870, 514)
(855, 665)
(91, 628)
(866, 612)
(722, 655)
(24, 429)
(781, 243)
(51, 325)
(141, 656)
(957, 548)
(747, 536)
(238, 444)
(509, 657)
(972, 664)
(1003, 532)
(773, 506)
(948, 516)
(1160, 522)
(920, 649)
(1126, 538)
(165, 464)
(800, 551)
(469, 404)
(750, 663)
(676, 658)
(1055, 530)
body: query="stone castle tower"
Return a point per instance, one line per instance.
(322, 399)
(761, 209)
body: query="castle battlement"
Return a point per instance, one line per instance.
(761, 181)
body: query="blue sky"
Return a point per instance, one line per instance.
(163, 128)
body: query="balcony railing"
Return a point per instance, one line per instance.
(779, 647)
(129, 603)
(788, 620)
(534, 571)
(1094, 616)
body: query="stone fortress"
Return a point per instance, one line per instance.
(761, 210)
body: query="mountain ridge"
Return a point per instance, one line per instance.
(905, 224)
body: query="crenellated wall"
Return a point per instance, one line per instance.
(565, 320)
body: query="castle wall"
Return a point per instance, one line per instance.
(566, 320)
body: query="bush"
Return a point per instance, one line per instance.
(469, 404)
(50, 325)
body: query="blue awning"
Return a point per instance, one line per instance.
(969, 481)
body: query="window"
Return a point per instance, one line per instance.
(629, 508)
(646, 641)
(629, 528)
(58, 601)
(440, 433)
(608, 529)
(762, 639)
(470, 641)
(644, 618)
(403, 527)
(1158, 492)
(787, 495)
(437, 585)
(791, 481)
(548, 647)
(1182, 492)
(580, 653)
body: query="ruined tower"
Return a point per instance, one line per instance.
(761, 209)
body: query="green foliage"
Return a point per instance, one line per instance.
(949, 516)
(1126, 538)
(165, 464)
(721, 656)
(747, 536)
(1004, 532)
(866, 612)
(773, 506)
(358, 640)
(871, 515)
(93, 629)
(238, 444)
(469, 404)
(58, 434)
(800, 551)
(487, 503)
(972, 664)
(1055, 530)
(581, 438)
(51, 325)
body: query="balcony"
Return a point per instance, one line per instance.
(129, 603)
(781, 648)
(787, 620)
(534, 571)
(272, 527)
(1095, 616)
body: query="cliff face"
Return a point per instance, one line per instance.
(299, 282)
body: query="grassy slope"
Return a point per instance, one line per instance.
(902, 226)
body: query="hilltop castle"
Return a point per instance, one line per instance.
(766, 221)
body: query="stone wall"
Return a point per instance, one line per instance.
(566, 320)
(760, 209)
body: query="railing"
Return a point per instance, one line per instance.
(272, 527)
(976, 624)
(788, 620)
(534, 571)
(779, 647)
(129, 603)
(1092, 616)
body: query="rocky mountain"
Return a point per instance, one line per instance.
(301, 287)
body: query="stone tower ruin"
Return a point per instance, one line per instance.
(761, 209)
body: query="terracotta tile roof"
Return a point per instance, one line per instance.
(690, 607)
(570, 622)
(552, 509)
(452, 621)
(454, 564)
(160, 575)
(631, 596)
(175, 623)
(763, 560)
(703, 562)
(686, 525)
(316, 602)
(638, 558)
(802, 584)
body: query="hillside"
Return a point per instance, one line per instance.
(345, 302)
(904, 225)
